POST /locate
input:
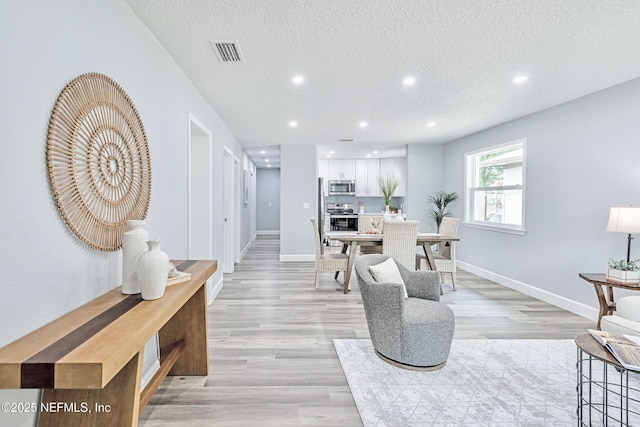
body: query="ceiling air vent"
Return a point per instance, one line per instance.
(346, 140)
(227, 51)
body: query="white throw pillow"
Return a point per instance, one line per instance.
(387, 272)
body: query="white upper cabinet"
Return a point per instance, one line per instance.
(344, 169)
(395, 166)
(367, 172)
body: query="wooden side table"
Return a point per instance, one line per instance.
(606, 302)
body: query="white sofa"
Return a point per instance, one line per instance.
(626, 318)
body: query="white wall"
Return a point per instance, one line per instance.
(268, 199)
(582, 157)
(424, 177)
(298, 184)
(46, 271)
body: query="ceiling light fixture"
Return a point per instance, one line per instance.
(364, 124)
(266, 160)
(297, 80)
(520, 79)
(268, 166)
(375, 151)
(293, 123)
(332, 152)
(431, 124)
(409, 81)
(368, 155)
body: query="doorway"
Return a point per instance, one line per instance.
(229, 209)
(200, 197)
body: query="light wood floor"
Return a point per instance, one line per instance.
(272, 361)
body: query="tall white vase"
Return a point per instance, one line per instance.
(134, 243)
(153, 271)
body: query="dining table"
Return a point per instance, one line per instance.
(352, 239)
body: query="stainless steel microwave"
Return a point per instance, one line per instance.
(342, 188)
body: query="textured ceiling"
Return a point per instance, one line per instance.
(354, 55)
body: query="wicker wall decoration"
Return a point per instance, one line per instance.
(98, 160)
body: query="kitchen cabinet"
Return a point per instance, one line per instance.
(344, 169)
(395, 166)
(367, 172)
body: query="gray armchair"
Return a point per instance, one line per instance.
(412, 333)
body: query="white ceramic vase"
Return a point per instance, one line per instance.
(153, 270)
(134, 243)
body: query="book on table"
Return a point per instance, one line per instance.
(625, 348)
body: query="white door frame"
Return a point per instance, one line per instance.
(229, 183)
(200, 197)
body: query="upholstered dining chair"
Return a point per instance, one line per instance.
(445, 258)
(364, 225)
(399, 242)
(327, 261)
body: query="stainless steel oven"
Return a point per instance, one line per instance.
(344, 222)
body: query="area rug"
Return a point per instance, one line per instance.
(484, 383)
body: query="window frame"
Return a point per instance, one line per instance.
(469, 173)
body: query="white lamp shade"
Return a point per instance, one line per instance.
(624, 219)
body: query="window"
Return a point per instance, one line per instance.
(495, 187)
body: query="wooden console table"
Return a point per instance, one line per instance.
(606, 302)
(89, 361)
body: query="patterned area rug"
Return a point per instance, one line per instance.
(484, 383)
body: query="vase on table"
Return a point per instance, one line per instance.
(134, 243)
(153, 270)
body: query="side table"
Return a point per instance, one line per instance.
(606, 302)
(608, 394)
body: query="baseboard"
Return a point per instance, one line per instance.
(559, 301)
(268, 232)
(296, 257)
(214, 291)
(244, 251)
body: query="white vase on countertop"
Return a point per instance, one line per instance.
(134, 243)
(153, 271)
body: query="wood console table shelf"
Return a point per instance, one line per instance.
(91, 358)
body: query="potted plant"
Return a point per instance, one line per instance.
(441, 200)
(622, 271)
(388, 186)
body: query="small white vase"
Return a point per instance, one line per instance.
(153, 270)
(134, 243)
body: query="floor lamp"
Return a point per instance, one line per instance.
(625, 219)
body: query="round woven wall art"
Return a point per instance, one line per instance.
(98, 160)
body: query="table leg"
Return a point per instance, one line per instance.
(353, 248)
(602, 301)
(427, 252)
(344, 251)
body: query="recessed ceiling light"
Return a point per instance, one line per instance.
(328, 155)
(375, 151)
(266, 160)
(520, 79)
(297, 80)
(262, 152)
(293, 123)
(364, 124)
(409, 81)
(431, 124)
(332, 152)
(368, 155)
(268, 166)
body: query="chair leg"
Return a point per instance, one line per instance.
(317, 279)
(454, 280)
(336, 276)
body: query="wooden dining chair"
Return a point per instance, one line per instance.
(328, 261)
(399, 242)
(445, 258)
